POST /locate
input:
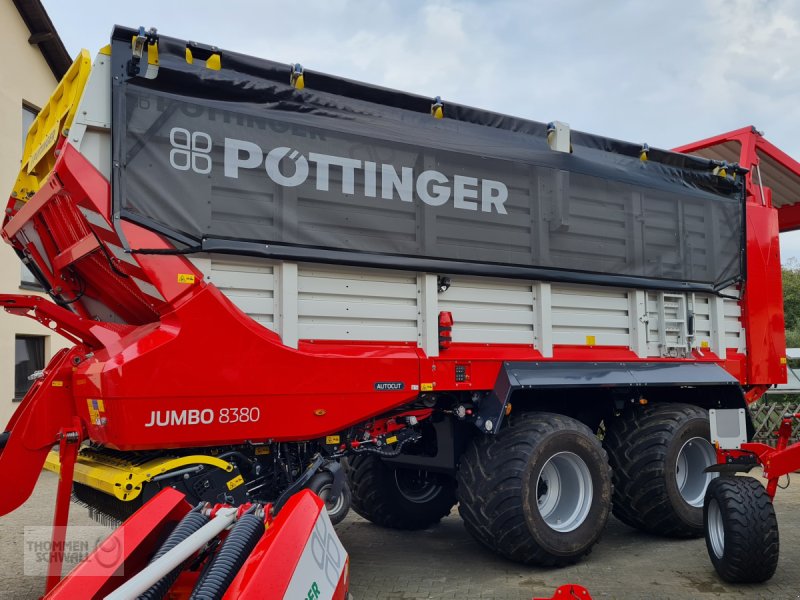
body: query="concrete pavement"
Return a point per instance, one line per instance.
(444, 562)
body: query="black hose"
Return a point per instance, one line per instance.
(216, 579)
(192, 522)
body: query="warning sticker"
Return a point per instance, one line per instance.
(97, 411)
(235, 482)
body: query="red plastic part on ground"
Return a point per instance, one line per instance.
(570, 591)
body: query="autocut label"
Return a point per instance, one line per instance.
(329, 173)
(389, 386)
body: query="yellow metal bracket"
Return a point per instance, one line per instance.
(721, 170)
(213, 62)
(53, 121)
(124, 480)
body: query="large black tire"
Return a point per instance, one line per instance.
(396, 497)
(322, 484)
(741, 530)
(503, 479)
(658, 454)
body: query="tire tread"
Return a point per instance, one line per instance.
(490, 482)
(374, 496)
(752, 545)
(637, 445)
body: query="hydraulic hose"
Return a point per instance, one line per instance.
(190, 523)
(241, 540)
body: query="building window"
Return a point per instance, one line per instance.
(29, 113)
(29, 358)
(27, 280)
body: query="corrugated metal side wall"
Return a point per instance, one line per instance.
(329, 302)
(356, 304)
(249, 283)
(491, 311)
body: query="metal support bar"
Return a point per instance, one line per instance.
(299, 483)
(141, 582)
(47, 192)
(69, 442)
(73, 327)
(85, 245)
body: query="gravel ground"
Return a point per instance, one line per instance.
(444, 561)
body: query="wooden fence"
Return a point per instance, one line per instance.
(767, 418)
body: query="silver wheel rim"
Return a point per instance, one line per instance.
(716, 529)
(564, 492)
(415, 486)
(695, 455)
(332, 508)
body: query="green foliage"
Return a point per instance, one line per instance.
(793, 337)
(778, 398)
(791, 302)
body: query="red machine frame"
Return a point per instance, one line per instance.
(762, 303)
(313, 391)
(776, 461)
(267, 573)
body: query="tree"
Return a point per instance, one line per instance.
(791, 301)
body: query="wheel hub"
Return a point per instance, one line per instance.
(694, 456)
(564, 492)
(330, 506)
(416, 486)
(716, 529)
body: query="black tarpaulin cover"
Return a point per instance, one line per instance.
(237, 160)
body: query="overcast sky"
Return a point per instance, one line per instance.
(666, 73)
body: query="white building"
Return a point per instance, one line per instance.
(34, 60)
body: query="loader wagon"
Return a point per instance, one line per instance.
(279, 279)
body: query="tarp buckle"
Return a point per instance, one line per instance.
(143, 38)
(296, 78)
(437, 108)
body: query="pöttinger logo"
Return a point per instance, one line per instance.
(190, 150)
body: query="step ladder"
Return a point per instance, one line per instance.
(672, 325)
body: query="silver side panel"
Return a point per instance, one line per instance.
(356, 304)
(490, 311)
(328, 302)
(91, 128)
(590, 316)
(248, 283)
